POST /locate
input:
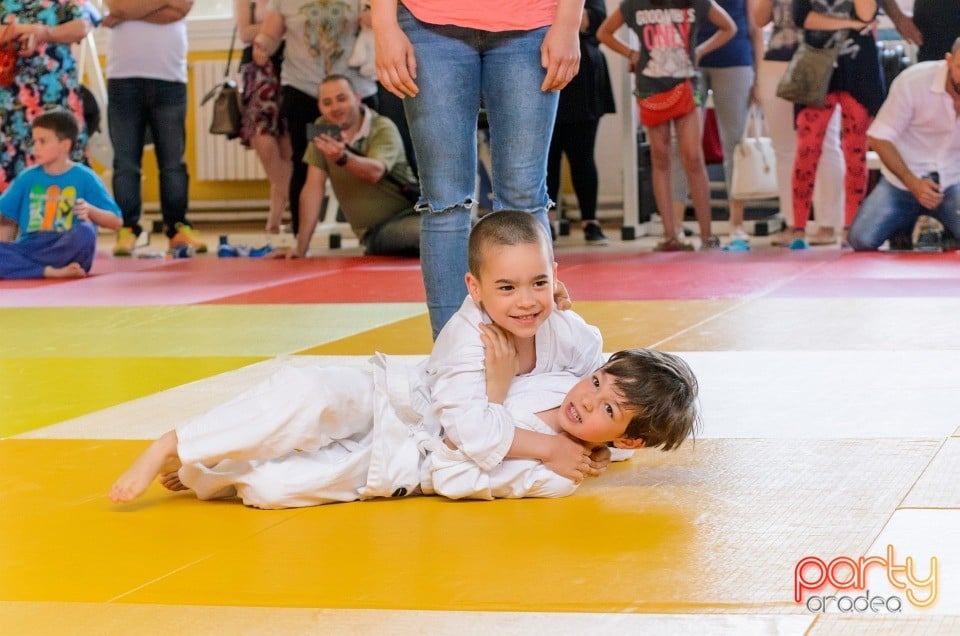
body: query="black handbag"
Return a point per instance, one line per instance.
(225, 119)
(807, 78)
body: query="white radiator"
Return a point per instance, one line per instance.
(217, 158)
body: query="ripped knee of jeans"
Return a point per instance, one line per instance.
(428, 207)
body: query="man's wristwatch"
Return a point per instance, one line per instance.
(342, 161)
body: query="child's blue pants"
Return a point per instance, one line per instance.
(28, 257)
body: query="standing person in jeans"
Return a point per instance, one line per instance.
(147, 87)
(446, 58)
(318, 38)
(917, 136)
(586, 99)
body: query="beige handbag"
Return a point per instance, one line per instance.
(225, 119)
(754, 164)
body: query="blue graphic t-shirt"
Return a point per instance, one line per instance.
(667, 32)
(40, 202)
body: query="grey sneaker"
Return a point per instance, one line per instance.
(710, 243)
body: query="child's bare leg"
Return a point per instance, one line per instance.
(160, 457)
(73, 270)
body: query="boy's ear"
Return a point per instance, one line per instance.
(628, 443)
(473, 286)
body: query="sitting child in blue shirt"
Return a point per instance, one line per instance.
(53, 208)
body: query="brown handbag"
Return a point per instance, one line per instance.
(807, 78)
(225, 119)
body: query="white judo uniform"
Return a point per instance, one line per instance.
(320, 434)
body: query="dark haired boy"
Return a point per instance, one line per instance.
(52, 208)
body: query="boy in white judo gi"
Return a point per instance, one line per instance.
(320, 434)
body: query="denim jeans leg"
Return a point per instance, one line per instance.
(167, 114)
(127, 125)
(443, 125)
(521, 119)
(948, 212)
(887, 211)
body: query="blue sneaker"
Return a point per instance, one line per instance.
(260, 252)
(799, 244)
(225, 250)
(737, 245)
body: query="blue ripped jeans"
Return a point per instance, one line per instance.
(458, 69)
(888, 210)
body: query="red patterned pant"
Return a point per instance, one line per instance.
(812, 124)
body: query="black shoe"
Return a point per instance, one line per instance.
(594, 235)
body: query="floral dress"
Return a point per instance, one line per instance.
(45, 80)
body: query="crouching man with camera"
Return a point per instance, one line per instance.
(917, 137)
(362, 154)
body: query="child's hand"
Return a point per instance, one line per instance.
(599, 460)
(500, 360)
(81, 210)
(568, 458)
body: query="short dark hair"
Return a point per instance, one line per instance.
(62, 122)
(336, 77)
(661, 389)
(506, 227)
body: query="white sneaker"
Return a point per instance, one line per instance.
(739, 233)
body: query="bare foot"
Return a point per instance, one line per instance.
(171, 481)
(160, 457)
(73, 270)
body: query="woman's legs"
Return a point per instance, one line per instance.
(275, 157)
(689, 142)
(812, 122)
(443, 127)
(298, 109)
(660, 166)
(853, 139)
(731, 102)
(583, 166)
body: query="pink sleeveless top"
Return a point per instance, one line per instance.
(486, 15)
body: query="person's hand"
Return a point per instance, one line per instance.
(926, 191)
(561, 296)
(568, 458)
(863, 28)
(599, 459)
(396, 62)
(754, 95)
(500, 361)
(109, 21)
(81, 210)
(29, 37)
(331, 148)
(560, 55)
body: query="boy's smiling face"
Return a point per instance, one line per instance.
(515, 287)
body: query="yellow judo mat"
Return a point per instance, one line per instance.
(830, 430)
